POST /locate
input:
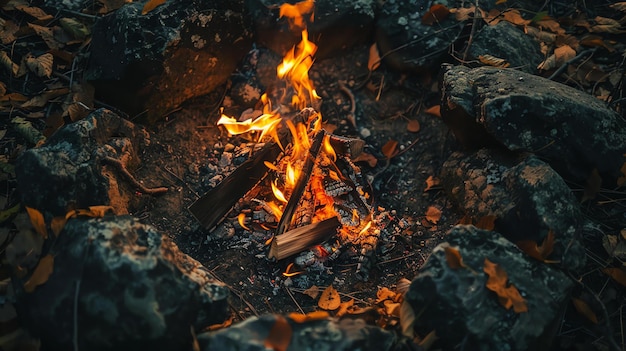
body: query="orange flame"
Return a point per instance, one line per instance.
(295, 68)
(266, 124)
(277, 192)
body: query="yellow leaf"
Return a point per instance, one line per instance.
(40, 274)
(151, 5)
(373, 62)
(508, 295)
(330, 299)
(453, 257)
(583, 308)
(279, 336)
(433, 214)
(57, 224)
(36, 218)
(384, 294)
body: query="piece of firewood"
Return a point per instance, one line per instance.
(301, 238)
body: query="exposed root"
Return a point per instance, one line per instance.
(134, 182)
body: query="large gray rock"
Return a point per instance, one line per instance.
(406, 43)
(464, 314)
(119, 285)
(507, 42)
(527, 198)
(179, 50)
(571, 130)
(326, 334)
(338, 25)
(67, 172)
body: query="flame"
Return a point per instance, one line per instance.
(276, 211)
(328, 148)
(288, 272)
(295, 13)
(295, 68)
(242, 221)
(366, 228)
(277, 192)
(265, 123)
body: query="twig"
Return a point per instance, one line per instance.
(471, 37)
(294, 300)
(142, 188)
(351, 116)
(570, 61)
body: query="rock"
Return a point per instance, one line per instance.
(526, 196)
(406, 43)
(337, 25)
(464, 314)
(119, 285)
(507, 42)
(66, 173)
(179, 50)
(326, 334)
(568, 128)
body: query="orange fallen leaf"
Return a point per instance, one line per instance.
(413, 126)
(343, 308)
(433, 214)
(493, 61)
(41, 273)
(373, 62)
(617, 274)
(390, 149)
(561, 55)
(486, 222)
(538, 252)
(92, 211)
(57, 224)
(437, 13)
(392, 308)
(279, 336)
(330, 299)
(311, 316)
(508, 295)
(434, 110)
(431, 182)
(583, 308)
(151, 5)
(453, 258)
(385, 293)
(369, 158)
(36, 218)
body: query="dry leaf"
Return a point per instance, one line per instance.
(583, 308)
(311, 316)
(343, 308)
(593, 40)
(434, 110)
(36, 218)
(453, 257)
(74, 28)
(493, 61)
(313, 291)
(7, 32)
(561, 55)
(427, 342)
(465, 13)
(40, 274)
(279, 336)
(42, 65)
(508, 295)
(606, 25)
(594, 183)
(403, 286)
(373, 62)
(617, 274)
(619, 6)
(384, 294)
(111, 5)
(433, 214)
(392, 308)
(436, 14)
(47, 34)
(541, 35)
(431, 182)
(151, 5)
(42, 100)
(550, 24)
(538, 252)
(6, 61)
(513, 16)
(36, 12)
(622, 180)
(369, 158)
(57, 224)
(330, 299)
(92, 211)
(413, 126)
(390, 149)
(3, 89)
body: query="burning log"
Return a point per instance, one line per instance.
(211, 208)
(298, 239)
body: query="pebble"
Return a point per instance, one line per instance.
(365, 132)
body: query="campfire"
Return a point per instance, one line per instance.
(300, 184)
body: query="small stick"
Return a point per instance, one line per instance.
(567, 63)
(294, 300)
(351, 116)
(142, 188)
